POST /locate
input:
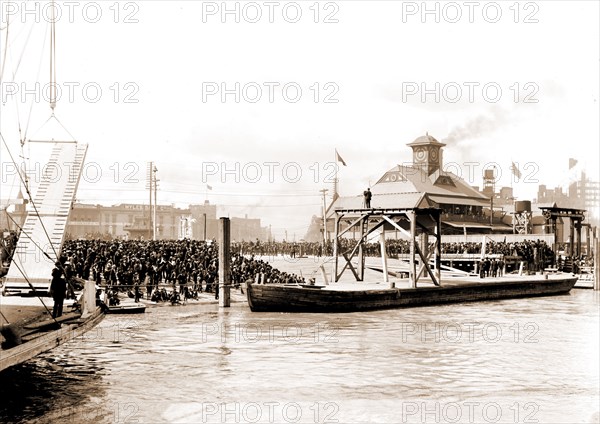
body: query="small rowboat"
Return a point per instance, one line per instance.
(136, 308)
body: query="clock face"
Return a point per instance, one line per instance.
(433, 154)
(420, 153)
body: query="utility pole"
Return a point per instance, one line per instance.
(154, 171)
(324, 193)
(149, 187)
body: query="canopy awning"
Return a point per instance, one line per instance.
(467, 224)
(459, 201)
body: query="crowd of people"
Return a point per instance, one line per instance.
(190, 267)
(187, 267)
(535, 253)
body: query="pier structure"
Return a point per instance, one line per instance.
(576, 217)
(416, 224)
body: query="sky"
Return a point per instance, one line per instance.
(252, 99)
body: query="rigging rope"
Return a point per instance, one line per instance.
(53, 59)
(24, 137)
(30, 197)
(5, 50)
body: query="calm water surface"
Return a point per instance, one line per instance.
(524, 360)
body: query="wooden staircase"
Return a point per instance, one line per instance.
(46, 222)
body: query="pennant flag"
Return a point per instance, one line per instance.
(208, 187)
(339, 158)
(572, 162)
(515, 170)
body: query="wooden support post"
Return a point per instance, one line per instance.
(224, 263)
(571, 238)
(383, 256)
(412, 264)
(324, 273)
(335, 250)
(483, 247)
(597, 265)
(364, 226)
(88, 299)
(521, 268)
(438, 250)
(578, 238)
(588, 245)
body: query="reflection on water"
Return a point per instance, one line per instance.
(525, 360)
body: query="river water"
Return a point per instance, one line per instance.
(511, 361)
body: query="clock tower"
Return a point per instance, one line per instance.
(427, 153)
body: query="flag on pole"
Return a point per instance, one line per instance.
(208, 187)
(339, 158)
(515, 170)
(572, 162)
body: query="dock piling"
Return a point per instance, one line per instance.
(224, 263)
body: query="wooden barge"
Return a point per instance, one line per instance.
(292, 298)
(422, 227)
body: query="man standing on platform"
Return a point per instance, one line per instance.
(58, 290)
(367, 194)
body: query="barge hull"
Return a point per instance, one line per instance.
(280, 298)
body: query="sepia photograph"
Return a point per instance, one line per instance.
(310, 211)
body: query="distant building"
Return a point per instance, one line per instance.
(16, 219)
(134, 221)
(583, 194)
(424, 183)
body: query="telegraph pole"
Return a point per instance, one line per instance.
(149, 169)
(154, 171)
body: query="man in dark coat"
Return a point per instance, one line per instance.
(58, 290)
(367, 194)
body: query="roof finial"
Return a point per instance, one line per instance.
(427, 133)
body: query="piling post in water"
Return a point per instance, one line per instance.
(224, 263)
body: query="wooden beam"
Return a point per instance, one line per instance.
(438, 250)
(349, 264)
(353, 223)
(412, 275)
(364, 228)
(335, 246)
(426, 266)
(396, 226)
(383, 257)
